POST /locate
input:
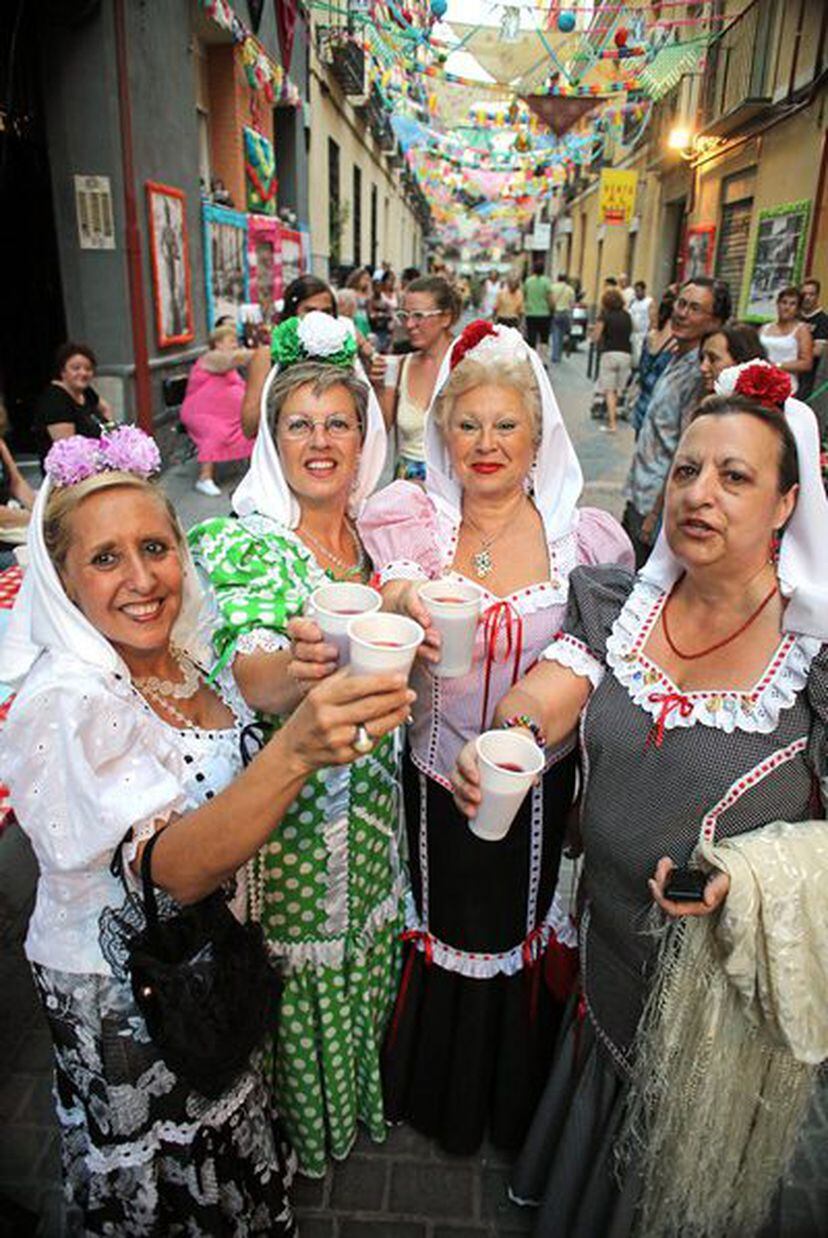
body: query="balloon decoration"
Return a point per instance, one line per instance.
(566, 22)
(438, 9)
(621, 36)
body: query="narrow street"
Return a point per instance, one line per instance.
(402, 1189)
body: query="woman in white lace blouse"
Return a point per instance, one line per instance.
(114, 735)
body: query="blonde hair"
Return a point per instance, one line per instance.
(516, 373)
(225, 331)
(64, 500)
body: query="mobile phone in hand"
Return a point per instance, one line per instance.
(686, 885)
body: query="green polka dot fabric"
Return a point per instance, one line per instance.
(329, 882)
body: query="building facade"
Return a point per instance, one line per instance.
(155, 172)
(744, 197)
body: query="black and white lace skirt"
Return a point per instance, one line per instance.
(143, 1154)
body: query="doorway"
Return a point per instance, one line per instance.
(32, 317)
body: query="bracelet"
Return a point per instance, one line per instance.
(529, 724)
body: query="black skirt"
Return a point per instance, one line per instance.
(470, 1044)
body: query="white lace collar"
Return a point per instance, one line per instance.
(726, 709)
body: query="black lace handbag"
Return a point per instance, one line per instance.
(205, 985)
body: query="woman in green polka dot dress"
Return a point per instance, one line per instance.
(328, 887)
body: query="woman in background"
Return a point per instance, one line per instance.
(508, 305)
(787, 342)
(211, 411)
(431, 306)
(70, 404)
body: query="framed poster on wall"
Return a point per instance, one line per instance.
(293, 259)
(170, 257)
(778, 256)
(264, 257)
(225, 262)
(698, 250)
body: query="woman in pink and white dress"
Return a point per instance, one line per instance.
(473, 1030)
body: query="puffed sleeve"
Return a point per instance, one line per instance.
(398, 528)
(817, 688)
(255, 585)
(83, 770)
(602, 540)
(596, 595)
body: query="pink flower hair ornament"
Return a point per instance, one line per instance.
(125, 450)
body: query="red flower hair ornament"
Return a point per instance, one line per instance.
(469, 338)
(765, 383)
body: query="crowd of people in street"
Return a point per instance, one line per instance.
(218, 727)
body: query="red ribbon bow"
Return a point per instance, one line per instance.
(501, 616)
(669, 701)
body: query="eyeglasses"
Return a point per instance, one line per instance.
(416, 316)
(335, 426)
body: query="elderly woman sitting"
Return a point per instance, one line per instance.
(702, 688)
(117, 738)
(469, 1044)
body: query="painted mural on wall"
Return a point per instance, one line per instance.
(225, 262)
(170, 258)
(778, 257)
(259, 173)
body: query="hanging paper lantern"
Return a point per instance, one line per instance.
(438, 9)
(621, 35)
(566, 22)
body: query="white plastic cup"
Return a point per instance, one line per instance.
(333, 607)
(392, 369)
(383, 643)
(454, 607)
(509, 763)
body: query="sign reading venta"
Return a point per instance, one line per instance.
(616, 204)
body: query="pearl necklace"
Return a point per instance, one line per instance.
(349, 570)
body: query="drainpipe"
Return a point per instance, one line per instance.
(143, 389)
(819, 197)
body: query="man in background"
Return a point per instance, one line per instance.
(702, 305)
(563, 296)
(816, 320)
(640, 310)
(537, 305)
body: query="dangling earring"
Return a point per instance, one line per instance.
(529, 479)
(775, 543)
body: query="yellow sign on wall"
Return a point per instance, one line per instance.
(616, 204)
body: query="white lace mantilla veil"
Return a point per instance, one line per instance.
(803, 552)
(44, 618)
(264, 489)
(557, 478)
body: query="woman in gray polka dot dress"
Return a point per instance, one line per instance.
(702, 688)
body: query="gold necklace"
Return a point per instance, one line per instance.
(348, 569)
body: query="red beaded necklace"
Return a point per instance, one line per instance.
(690, 657)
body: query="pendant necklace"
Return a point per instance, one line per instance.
(482, 560)
(690, 657)
(357, 569)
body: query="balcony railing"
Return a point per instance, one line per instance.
(738, 80)
(348, 66)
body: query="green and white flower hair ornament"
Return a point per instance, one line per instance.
(316, 337)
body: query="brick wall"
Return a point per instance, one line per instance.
(233, 105)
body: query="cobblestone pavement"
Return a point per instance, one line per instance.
(404, 1188)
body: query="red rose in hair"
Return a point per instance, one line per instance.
(766, 384)
(469, 338)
